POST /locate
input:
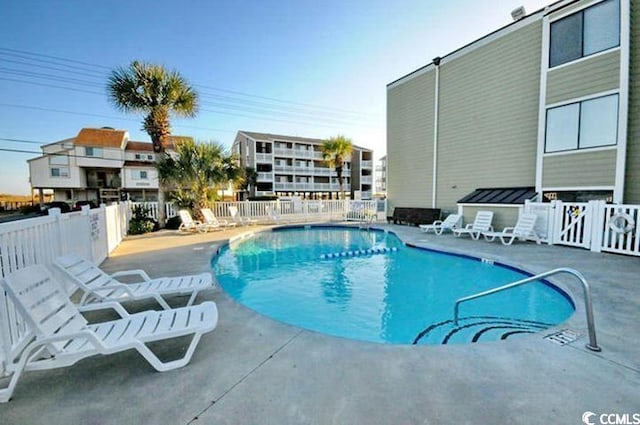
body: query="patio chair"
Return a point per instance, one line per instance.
(274, 215)
(57, 335)
(451, 222)
(189, 224)
(482, 223)
(211, 219)
(236, 217)
(98, 286)
(522, 230)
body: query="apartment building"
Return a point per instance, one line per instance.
(381, 177)
(293, 166)
(549, 103)
(100, 165)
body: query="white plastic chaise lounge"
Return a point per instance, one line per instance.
(237, 218)
(451, 222)
(211, 220)
(481, 224)
(523, 229)
(98, 286)
(189, 224)
(57, 335)
(274, 216)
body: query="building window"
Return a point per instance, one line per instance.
(59, 172)
(138, 156)
(582, 125)
(139, 175)
(95, 152)
(592, 30)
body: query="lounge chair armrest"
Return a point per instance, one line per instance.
(508, 230)
(437, 223)
(103, 306)
(138, 272)
(470, 226)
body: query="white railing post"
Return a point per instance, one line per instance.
(597, 224)
(557, 211)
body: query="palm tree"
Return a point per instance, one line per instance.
(248, 180)
(158, 93)
(197, 167)
(335, 151)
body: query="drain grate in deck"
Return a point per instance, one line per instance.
(563, 337)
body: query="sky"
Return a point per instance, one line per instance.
(305, 68)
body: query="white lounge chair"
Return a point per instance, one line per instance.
(481, 224)
(274, 216)
(523, 229)
(98, 286)
(212, 220)
(57, 334)
(236, 217)
(451, 222)
(189, 224)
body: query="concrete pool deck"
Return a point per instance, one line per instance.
(253, 370)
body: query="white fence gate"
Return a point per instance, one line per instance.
(593, 225)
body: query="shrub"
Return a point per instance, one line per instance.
(140, 221)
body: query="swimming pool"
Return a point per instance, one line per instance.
(368, 285)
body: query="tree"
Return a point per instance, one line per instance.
(195, 168)
(248, 180)
(335, 151)
(158, 93)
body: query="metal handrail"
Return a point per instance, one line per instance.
(592, 345)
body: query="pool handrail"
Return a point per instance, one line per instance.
(592, 345)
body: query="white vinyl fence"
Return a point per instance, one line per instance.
(90, 233)
(593, 225)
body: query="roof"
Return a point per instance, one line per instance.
(284, 138)
(172, 141)
(102, 137)
(139, 146)
(508, 195)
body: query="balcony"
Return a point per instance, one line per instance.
(265, 177)
(310, 187)
(297, 153)
(366, 180)
(264, 157)
(283, 168)
(366, 164)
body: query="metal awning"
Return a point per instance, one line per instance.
(507, 195)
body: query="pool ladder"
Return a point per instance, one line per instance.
(592, 345)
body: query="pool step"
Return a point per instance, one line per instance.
(476, 329)
(357, 253)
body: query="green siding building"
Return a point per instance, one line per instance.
(551, 102)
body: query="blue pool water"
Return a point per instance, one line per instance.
(392, 294)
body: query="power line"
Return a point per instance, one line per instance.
(37, 108)
(22, 53)
(225, 106)
(16, 51)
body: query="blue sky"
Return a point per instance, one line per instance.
(297, 67)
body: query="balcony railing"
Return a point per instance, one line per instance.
(367, 164)
(311, 187)
(366, 180)
(297, 153)
(265, 177)
(264, 157)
